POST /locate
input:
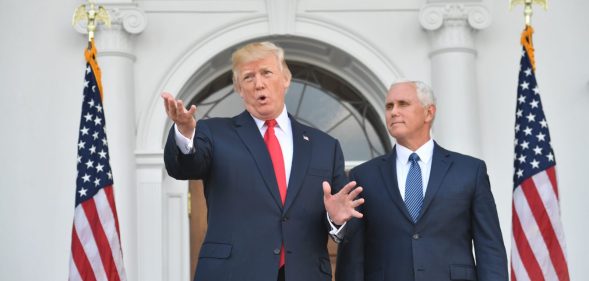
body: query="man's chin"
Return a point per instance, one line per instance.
(396, 132)
(264, 114)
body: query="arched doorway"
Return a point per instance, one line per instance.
(164, 240)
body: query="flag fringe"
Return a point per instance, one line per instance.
(528, 45)
(90, 54)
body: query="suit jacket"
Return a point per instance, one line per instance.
(458, 213)
(247, 223)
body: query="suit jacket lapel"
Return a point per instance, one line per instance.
(440, 163)
(300, 161)
(250, 135)
(388, 170)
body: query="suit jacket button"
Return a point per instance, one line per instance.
(415, 236)
(276, 251)
(284, 219)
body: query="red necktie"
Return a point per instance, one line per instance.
(278, 163)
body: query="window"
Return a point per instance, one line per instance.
(316, 98)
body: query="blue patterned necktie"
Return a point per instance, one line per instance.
(414, 188)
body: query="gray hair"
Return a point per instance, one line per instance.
(425, 93)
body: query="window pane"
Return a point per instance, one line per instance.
(317, 99)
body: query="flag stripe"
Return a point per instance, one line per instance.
(517, 267)
(109, 191)
(523, 247)
(552, 176)
(88, 243)
(100, 238)
(553, 233)
(80, 260)
(513, 274)
(537, 227)
(74, 274)
(107, 220)
(550, 208)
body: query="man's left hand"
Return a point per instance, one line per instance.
(341, 206)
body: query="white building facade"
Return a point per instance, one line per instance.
(468, 50)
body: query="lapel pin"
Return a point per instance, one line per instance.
(305, 138)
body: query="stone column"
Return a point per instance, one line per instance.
(116, 60)
(451, 27)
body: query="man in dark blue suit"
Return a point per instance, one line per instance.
(426, 207)
(263, 173)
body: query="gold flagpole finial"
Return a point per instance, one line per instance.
(528, 7)
(93, 15)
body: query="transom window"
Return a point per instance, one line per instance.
(316, 98)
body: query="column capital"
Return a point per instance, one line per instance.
(452, 24)
(433, 16)
(126, 20)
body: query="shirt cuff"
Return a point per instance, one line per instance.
(185, 144)
(336, 232)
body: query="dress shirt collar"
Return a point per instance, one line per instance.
(425, 152)
(282, 121)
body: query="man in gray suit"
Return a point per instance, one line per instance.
(426, 207)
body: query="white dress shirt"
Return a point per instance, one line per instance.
(425, 152)
(283, 132)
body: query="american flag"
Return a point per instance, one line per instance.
(96, 247)
(538, 245)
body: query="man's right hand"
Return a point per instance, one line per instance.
(184, 119)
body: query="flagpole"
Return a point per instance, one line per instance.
(526, 38)
(93, 15)
(528, 11)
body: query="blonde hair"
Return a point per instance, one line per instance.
(256, 51)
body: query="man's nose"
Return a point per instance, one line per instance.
(394, 111)
(258, 82)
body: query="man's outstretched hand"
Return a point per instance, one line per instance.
(341, 206)
(184, 119)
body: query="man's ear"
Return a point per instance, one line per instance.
(286, 82)
(430, 113)
(237, 89)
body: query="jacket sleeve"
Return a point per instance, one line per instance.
(491, 258)
(189, 166)
(350, 253)
(338, 179)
